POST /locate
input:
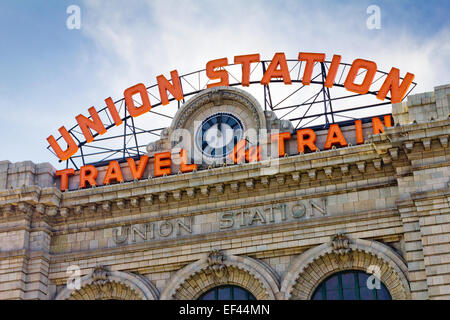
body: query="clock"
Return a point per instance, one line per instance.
(218, 134)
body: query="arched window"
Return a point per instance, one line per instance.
(227, 292)
(349, 285)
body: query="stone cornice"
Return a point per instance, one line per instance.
(146, 214)
(302, 168)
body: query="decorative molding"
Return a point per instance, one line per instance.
(197, 277)
(134, 202)
(148, 199)
(328, 172)
(216, 264)
(105, 284)
(444, 141)
(361, 166)
(204, 190)
(409, 145)
(312, 174)
(234, 186)
(250, 183)
(176, 194)
(310, 268)
(265, 181)
(394, 153)
(426, 144)
(344, 169)
(281, 179)
(377, 164)
(220, 188)
(190, 192)
(162, 197)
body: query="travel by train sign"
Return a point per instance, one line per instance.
(361, 77)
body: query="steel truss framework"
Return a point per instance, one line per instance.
(305, 106)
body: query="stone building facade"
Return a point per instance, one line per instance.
(278, 231)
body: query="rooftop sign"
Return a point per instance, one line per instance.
(277, 70)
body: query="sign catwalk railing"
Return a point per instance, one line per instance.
(308, 91)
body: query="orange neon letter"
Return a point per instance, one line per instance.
(279, 138)
(238, 155)
(392, 84)
(88, 174)
(359, 132)
(334, 66)
(217, 74)
(306, 138)
(113, 173)
(138, 172)
(128, 94)
(164, 86)
(310, 59)
(245, 61)
(113, 111)
(335, 136)
(377, 125)
(162, 164)
(253, 154)
(184, 166)
(85, 123)
(279, 59)
(72, 147)
(64, 174)
(364, 87)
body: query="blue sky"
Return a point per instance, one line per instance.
(50, 73)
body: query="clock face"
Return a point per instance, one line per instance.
(218, 135)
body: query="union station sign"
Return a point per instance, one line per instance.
(223, 137)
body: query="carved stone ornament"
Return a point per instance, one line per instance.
(100, 278)
(341, 247)
(216, 264)
(340, 243)
(100, 275)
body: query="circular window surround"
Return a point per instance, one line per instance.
(212, 101)
(310, 268)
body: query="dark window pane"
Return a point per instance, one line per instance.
(366, 294)
(208, 296)
(383, 294)
(332, 283)
(240, 294)
(224, 293)
(349, 294)
(348, 280)
(349, 285)
(363, 279)
(317, 294)
(333, 295)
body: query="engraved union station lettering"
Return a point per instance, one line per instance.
(152, 230)
(273, 213)
(221, 221)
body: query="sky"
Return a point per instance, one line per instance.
(50, 73)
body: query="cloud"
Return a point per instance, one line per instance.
(143, 39)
